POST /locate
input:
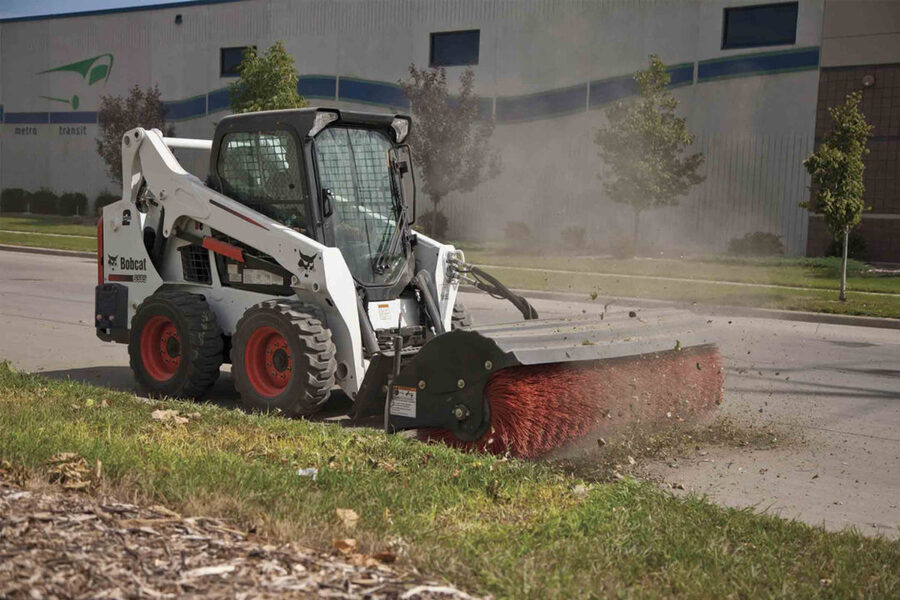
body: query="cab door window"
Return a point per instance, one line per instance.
(262, 171)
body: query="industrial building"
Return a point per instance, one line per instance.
(753, 79)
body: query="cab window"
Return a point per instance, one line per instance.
(262, 171)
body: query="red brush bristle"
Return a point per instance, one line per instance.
(537, 408)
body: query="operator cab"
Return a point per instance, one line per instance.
(342, 178)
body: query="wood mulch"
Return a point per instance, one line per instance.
(61, 543)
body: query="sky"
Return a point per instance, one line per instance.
(30, 8)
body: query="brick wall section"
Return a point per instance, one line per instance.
(881, 105)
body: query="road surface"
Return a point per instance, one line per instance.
(840, 385)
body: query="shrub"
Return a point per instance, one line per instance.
(103, 199)
(43, 202)
(424, 224)
(573, 238)
(758, 243)
(623, 248)
(856, 247)
(14, 200)
(72, 203)
(517, 234)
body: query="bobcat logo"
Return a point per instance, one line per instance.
(307, 262)
(111, 260)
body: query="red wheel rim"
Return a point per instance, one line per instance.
(160, 348)
(267, 361)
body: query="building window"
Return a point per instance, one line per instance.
(229, 59)
(760, 25)
(455, 48)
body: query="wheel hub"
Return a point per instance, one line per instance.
(280, 360)
(160, 348)
(267, 361)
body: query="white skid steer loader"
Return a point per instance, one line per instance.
(295, 261)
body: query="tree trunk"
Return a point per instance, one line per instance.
(432, 229)
(634, 238)
(843, 295)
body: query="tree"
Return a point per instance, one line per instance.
(141, 108)
(643, 145)
(448, 137)
(836, 169)
(267, 82)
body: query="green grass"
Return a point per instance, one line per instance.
(50, 224)
(505, 527)
(49, 241)
(603, 285)
(816, 273)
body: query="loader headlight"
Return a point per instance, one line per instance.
(323, 118)
(400, 125)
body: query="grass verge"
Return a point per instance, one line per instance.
(50, 224)
(814, 273)
(599, 285)
(510, 528)
(49, 241)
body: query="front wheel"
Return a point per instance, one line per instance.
(461, 318)
(176, 345)
(282, 359)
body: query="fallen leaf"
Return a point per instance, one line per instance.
(385, 557)
(344, 545)
(167, 415)
(347, 516)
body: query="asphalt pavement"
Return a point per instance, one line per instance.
(838, 385)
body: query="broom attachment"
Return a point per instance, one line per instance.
(538, 408)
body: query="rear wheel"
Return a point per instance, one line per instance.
(176, 345)
(461, 317)
(282, 359)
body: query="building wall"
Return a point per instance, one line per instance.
(862, 39)
(546, 69)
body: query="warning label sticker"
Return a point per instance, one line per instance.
(404, 402)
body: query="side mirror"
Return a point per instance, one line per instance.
(327, 203)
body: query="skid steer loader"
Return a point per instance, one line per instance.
(295, 262)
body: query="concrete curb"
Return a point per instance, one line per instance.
(715, 309)
(51, 251)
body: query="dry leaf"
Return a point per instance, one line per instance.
(344, 545)
(347, 516)
(167, 415)
(385, 557)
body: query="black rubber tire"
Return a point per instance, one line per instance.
(461, 317)
(200, 350)
(312, 355)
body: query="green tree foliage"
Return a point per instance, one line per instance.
(141, 108)
(448, 137)
(836, 169)
(267, 82)
(643, 146)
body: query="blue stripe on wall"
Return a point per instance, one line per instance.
(186, 109)
(317, 86)
(81, 117)
(681, 74)
(758, 64)
(604, 91)
(218, 100)
(372, 92)
(542, 104)
(546, 104)
(26, 117)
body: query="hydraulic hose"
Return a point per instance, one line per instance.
(422, 281)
